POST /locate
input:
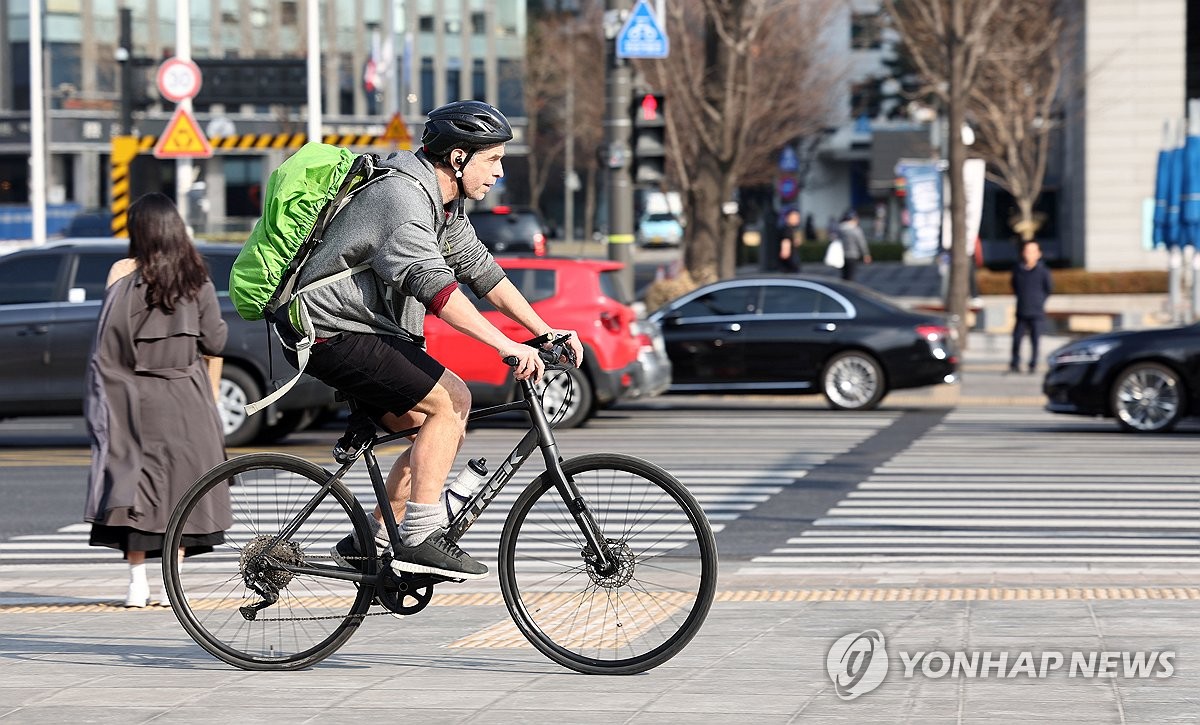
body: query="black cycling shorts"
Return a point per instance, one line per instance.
(383, 373)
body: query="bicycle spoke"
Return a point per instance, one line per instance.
(609, 618)
(311, 614)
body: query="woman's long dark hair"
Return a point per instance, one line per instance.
(166, 257)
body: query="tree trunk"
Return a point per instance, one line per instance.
(1026, 226)
(704, 233)
(960, 261)
(589, 205)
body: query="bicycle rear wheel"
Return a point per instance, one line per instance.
(313, 615)
(626, 621)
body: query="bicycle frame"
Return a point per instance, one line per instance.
(540, 435)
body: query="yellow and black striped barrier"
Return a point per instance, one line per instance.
(126, 148)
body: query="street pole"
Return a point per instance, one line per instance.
(125, 59)
(37, 127)
(183, 51)
(569, 161)
(1193, 129)
(391, 97)
(617, 132)
(314, 71)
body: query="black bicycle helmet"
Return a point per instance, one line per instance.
(469, 125)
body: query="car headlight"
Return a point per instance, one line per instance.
(1084, 352)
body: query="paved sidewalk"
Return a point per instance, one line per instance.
(762, 654)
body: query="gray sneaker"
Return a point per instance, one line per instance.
(437, 555)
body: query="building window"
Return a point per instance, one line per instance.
(865, 31)
(512, 96)
(427, 99)
(478, 79)
(865, 99)
(289, 14)
(478, 23)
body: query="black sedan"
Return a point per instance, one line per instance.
(1147, 379)
(805, 335)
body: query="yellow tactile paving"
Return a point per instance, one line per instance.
(848, 594)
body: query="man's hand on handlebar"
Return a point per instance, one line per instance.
(524, 360)
(571, 340)
(557, 348)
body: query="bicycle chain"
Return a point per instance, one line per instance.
(358, 617)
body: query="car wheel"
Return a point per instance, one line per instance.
(238, 389)
(288, 423)
(853, 381)
(1147, 398)
(566, 397)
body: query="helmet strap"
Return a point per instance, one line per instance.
(462, 192)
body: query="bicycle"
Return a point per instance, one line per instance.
(607, 563)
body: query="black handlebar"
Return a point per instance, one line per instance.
(552, 351)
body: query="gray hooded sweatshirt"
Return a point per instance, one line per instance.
(414, 248)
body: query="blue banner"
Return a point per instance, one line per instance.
(16, 221)
(923, 199)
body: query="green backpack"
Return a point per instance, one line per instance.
(303, 196)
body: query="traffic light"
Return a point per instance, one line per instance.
(649, 139)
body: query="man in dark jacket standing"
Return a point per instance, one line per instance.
(1031, 283)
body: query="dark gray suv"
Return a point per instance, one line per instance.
(49, 305)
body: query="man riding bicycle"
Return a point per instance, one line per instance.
(412, 231)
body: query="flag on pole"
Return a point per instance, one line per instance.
(379, 65)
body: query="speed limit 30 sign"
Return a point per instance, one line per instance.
(178, 79)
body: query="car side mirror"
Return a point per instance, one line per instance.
(75, 295)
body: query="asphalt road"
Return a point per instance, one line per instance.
(787, 482)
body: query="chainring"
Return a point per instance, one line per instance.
(399, 593)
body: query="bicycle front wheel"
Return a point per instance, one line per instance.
(313, 614)
(631, 618)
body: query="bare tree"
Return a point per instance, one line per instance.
(948, 41)
(565, 49)
(742, 80)
(544, 82)
(1012, 103)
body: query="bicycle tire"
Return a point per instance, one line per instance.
(676, 546)
(314, 615)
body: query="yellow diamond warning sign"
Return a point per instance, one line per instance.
(397, 133)
(182, 139)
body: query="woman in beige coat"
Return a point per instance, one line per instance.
(150, 410)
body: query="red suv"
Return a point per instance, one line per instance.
(624, 355)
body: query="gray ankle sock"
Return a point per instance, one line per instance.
(377, 530)
(421, 520)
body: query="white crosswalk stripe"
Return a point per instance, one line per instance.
(1009, 486)
(730, 471)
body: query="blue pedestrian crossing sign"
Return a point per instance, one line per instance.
(642, 35)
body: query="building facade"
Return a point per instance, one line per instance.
(437, 51)
(1131, 66)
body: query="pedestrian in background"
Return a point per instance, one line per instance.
(791, 237)
(1032, 284)
(854, 245)
(150, 411)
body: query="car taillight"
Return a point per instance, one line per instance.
(933, 333)
(610, 322)
(539, 245)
